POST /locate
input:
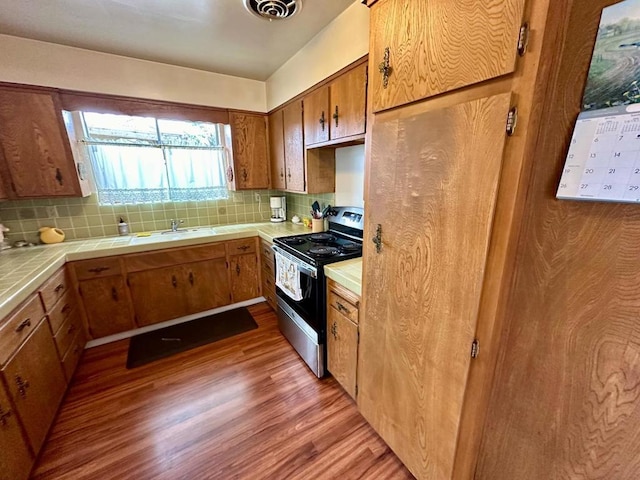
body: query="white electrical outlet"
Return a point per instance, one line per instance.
(257, 197)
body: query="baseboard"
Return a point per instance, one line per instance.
(130, 333)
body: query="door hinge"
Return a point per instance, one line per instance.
(475, 348)
(512, 121)
(523, 39)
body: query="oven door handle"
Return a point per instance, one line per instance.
(302, 267)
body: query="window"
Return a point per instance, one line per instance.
(144, 160)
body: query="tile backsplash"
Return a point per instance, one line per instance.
(85, 218)
(300, 204)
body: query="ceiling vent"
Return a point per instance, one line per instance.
(273, 9)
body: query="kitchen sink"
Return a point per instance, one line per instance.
(170, 235)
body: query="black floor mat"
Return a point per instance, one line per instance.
(147, 347)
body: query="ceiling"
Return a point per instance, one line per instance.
(212, 35)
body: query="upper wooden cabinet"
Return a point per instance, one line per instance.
(36, 159)
(294, 153)
(338, 110)
(423, 48)
(276, 150)
(249, 167)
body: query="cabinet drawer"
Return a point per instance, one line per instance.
(177, 256)
(62, 310)
(18, 326)
(268, 270)
(343, 306)
(54, 288)
(265, 250)
(67, 332)
(73, 355)
(97, 267)
(244, 245)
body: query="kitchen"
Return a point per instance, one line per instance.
(536, 334)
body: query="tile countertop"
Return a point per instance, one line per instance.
(23, 270)
(347, 273)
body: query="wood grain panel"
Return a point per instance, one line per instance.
(342, 350)
(208, 285)
(37, 367)
(294, 147)
(107, 306)
(59, 314)
(250, 151)
(97, 267)
(276, 150)
(67, 332)
(54, 288)
(245, 277)
(316, 107)
(35, 145)
(242, 246)
(245, 408)
(439, 45)
(159, 294)
(15, 459)
(18, 325)
(174, 256)
(566, 393)
(321, 170)
(342, 305)
(73, 355)
(422, 291)
(349, 98)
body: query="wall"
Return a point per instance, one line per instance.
(84, 218)
(41, 63)
(340, 43)
(350, 176)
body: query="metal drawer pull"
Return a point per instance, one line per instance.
(322, 120)
(114, 294)
(25, 323)
(22, 386)
(59, 287)
(244, 248)
(71, 329)
(3, 416)
(174, 281)
(342, 308)
(99, 269)
(66, 308)
(336, 116)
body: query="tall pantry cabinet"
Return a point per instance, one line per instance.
(453, 90)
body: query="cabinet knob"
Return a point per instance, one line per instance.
(59, 176)
(322, 121)
(281, 173)
(191, 278)
(385, 68)
(245, 175)
(114, 294)
(24, 324)
(174, 281)
(289, 174)
(238, 268)
(22, 386)
(59, 287)
(336, 115)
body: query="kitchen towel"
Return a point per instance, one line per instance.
(288, 277)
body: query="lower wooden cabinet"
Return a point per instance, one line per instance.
(208, 285)
(268, 274)
(107, 305)
(36, 383)
(15, 458)
(342, 336)
(244, 273)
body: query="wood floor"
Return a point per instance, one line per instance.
(242, 408)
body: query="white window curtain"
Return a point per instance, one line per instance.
(142, 160)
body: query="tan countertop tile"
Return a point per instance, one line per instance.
(23, 270)
(347, 273)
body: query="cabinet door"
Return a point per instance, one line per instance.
(107, 305)
(208, 285)
(316, 116)
(349, 103)
(250, 151)
(245, 277)
(422, 289)
(276, 149)
(294, 147)
(342, 350)
(159, 294)
(439, 45)
(36, 383)
(15, 459)
(35, 145)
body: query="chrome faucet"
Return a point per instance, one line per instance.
(175, 224)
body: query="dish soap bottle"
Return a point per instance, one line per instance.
(123, 228)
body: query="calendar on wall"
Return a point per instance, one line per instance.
(603, 162)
